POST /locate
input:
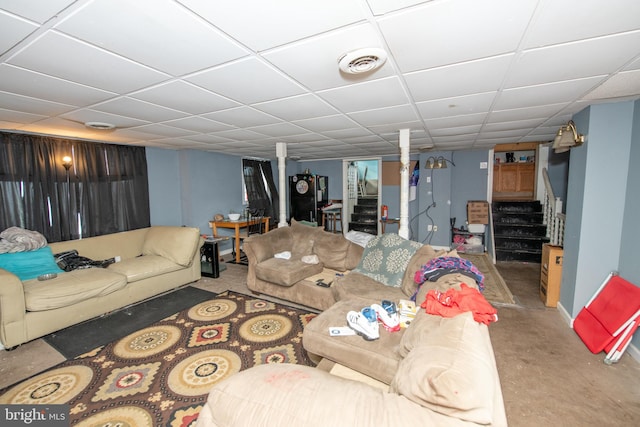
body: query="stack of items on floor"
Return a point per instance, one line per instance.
(439, 370)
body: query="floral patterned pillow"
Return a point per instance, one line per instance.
(386, 258)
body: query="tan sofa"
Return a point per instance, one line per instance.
(440, 371)
(154, 260)
(288, 279)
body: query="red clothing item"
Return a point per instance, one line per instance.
(454, 302)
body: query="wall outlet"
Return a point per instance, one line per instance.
(484, 165)
(435, 228)
(431, 227)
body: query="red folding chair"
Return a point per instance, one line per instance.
(607, 322)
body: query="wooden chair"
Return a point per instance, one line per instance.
(256, 226)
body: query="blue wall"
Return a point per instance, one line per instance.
(602, 207)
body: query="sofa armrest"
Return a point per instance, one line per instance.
(12, 305)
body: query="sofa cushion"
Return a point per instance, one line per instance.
(143, 267)
(177, 244)
(386, 258)
(451, 371)
(332, 250)
(285, 272)
(70, 288)
(303, 238)
(30, 264)
(422, 255)
(358, 285)
(377, 359)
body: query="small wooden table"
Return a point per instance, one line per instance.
(236, 225)
(384, 222)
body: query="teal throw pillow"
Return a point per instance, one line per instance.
(386, 258)
(30, 264)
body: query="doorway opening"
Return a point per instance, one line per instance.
(361, 195)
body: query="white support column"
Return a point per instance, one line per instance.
(403, 230)
(281, 153)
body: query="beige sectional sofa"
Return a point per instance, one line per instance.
(154, 260)
(440, 371)
(288, 279)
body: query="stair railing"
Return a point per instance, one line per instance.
(553, 217)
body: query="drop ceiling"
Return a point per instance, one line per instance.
(237, 77)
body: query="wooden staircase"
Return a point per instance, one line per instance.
(519, 232)
(365, 216)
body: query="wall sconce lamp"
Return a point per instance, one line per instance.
(437, 163)
(567, 138)
(66, 162)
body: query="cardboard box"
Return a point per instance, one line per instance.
(478, 212)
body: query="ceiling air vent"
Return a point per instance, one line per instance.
(362, 60)
(100, 125)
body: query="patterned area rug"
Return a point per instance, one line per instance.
(160, 375)
(495, 288)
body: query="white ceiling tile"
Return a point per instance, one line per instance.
(35, 10)
(322, 124)
(139, 109)
(462, 120)
(453, 80)
(314, 62)
(551, 93)
(185, 97)
(570, 20)
(297, 107)
(187, 42)
(12, 30)
(427, 36)
(461, 130)
(240, 135)
(284, 129)
(395, 127)
(366, 96)
(198, 124)
(380, 7)
(247, 81)
(17, 117)
(68, 59)
(86, 115)
(462, 105)
(268, 24)
(621, 85)
(242, 117)
(574, 60)
(492, 127)
(396, 114)
(29, 83)
(498, 116)
(348, 134)
(32, 105)
(164, 130)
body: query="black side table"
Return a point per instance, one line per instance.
(210, 257)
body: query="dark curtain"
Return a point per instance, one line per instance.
(261, 188)
(104, 191)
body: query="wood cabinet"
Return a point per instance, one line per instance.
(550, 274)
(514, 181)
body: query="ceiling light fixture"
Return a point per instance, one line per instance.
(567, 138)
(362, 60)
(100, 126)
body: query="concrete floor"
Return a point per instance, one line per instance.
(548, 376)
